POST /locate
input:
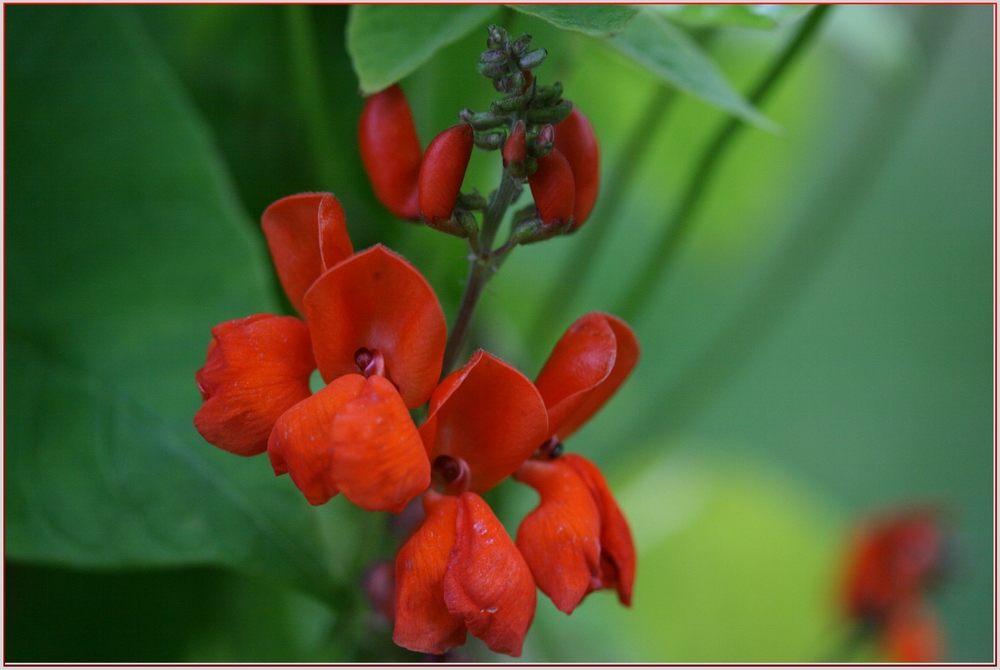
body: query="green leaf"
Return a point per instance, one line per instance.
(388, 42)
(744, 16)
(594, 20)
(667, 51)
(125, 246)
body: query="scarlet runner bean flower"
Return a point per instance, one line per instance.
(890, 566)
(375, 331)
(411, 184)
(577, 540)
(460, 572)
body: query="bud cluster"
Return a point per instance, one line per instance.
(543, 140)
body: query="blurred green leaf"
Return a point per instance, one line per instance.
(736, 563)
(745, 16)
(388, 42)
(125, 246)
(667, 51)
(594, 20)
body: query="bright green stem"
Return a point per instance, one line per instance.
(594, 235)
(483, 266)
(643, 288)
(308, 88)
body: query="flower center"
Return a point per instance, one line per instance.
(552, 448)
(370, 362)
(451, 475)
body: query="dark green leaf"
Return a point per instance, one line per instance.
(745, 16)
(667, 51)
(595, 20)
(125, 246)
(388, 42)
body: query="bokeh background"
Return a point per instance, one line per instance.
(819, 349)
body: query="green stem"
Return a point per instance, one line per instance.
(594, 236)
(479, 274)
(483, 266)
(306, 78)
(664, 253)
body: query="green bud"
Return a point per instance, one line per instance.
(552, 114)
(492, 70)
(521, 44)
(492, 141)
(532, 59)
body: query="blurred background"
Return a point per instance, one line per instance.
(818, 349)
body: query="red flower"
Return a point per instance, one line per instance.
(891, 564)
(377, 334)
(577, 540)
(411, 184)
(390, 151)
(891, 561)
(460, 571)
(576, 140)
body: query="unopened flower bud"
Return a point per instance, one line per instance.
(390, 151)
(532, 59)
(515, 150)
(547, 95)
(493, 56)
(496, 37)
(492, 69)
(443, 170)
(544, 141)
(491, 141)
(551, 114)
(521, 44)
(553, 189)
(513, 82)
(482, 120)
(576, 140)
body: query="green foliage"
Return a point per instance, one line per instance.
(129, 247)
(593, 20)
(136, 169)
(388, 42)
(723, 15)
(669, 53)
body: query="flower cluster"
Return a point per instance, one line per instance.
(544, 139)
(374, 329)
(892, 563)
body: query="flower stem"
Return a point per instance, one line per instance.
(482, 266)
(636, 148)
(637, 297)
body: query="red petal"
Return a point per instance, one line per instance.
(423, 622)
(256, 369)
(893, 559)
(378, 460)
(913, 635)
(515, 149)
(300, 443)
(488, 414)
(487, 583)
(560, 539)
(390, 151)
(588, 364)
(355, 436)
(377, 301)
(617, 548)
(553, 188)
(576, 140)
(306, 233)
(443, 170)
